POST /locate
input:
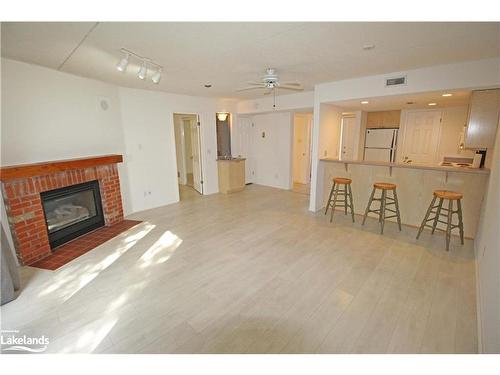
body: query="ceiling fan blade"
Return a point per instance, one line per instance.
(255, 83)
(295, 88)
(292, 84)
(269, 92)
(251, 88)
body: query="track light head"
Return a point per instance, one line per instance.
(141, 74)
(122, 65)
(156, 76)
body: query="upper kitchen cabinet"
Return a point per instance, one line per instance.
(383, 119)
(483, 119)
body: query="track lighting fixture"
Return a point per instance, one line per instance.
(146, 63)
(156, 76)
(122, 65)
(143, 71)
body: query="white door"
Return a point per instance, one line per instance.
(242, 137)
(348, 138)
(196, 152)
(302, 149)
(422, 131)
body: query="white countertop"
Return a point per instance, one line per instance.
(434, 167)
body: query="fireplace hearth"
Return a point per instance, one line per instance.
(51, 203)
(72, 211)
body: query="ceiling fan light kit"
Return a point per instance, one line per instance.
(143, 70)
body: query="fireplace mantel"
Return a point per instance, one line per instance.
(50, 167)
(22, 186)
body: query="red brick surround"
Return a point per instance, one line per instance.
(24, 207)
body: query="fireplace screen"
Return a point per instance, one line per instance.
(72, 211)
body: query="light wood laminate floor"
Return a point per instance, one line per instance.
(254, 272)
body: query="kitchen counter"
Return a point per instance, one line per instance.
(415, 185)
(226, 158)
(431, 167)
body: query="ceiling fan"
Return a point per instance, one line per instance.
(270, 81)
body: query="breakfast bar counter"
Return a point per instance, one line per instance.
(415, 186)
(431, 167)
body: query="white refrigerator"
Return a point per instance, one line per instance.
(381, 145)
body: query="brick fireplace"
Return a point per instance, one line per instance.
(22, 186)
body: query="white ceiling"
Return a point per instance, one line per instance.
(229, 54)
(420, 101)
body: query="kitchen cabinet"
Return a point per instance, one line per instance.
(483, 119)
(231, 175)
(383, 119)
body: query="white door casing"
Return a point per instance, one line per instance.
(196, 150)
(421, 136)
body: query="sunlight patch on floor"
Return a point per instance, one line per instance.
(161, 249)
(70, 281)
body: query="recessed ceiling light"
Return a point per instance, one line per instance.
(364, 102)
(447, 94)
(368, 47)
(432, 104)
(208, 85)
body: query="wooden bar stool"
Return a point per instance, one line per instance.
(346, 193)
(451, 196)
(384, 202)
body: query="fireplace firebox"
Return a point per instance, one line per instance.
(72, 211)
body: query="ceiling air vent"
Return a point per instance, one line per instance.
(395, 81)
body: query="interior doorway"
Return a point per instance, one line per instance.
(188, 152)
(348, 135)
(301, 155)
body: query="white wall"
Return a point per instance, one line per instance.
(302, 100)
(150, 149)
(330, 122)
(465, 75)
(272, 155)
(49, 115)
(487, 247)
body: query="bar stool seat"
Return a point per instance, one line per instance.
(439, 211)
(342, 180)
(446, 194)
(385, 202)
(384, 186)
(336, 192)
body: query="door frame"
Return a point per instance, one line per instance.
(200, 138)
(402, 131)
